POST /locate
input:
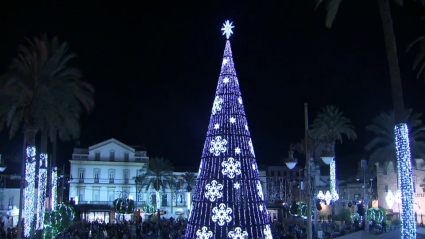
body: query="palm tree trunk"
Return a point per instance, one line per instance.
(21, 192)
(54, 140)
(391, 48)
(30, 163)
(401, 129)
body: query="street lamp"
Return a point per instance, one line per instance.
(291, 162)
(328, 155)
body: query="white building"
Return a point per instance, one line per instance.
(103, 172)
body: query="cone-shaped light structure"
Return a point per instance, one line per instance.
(228, 200)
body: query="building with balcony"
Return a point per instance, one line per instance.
(102, 173)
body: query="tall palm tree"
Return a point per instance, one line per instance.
(419, 61)
(382, 146)
(400, 129)
(330, 126)
(159, 174)
(40, 89)
(190, 180)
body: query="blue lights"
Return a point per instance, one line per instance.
(405, 175)
(228, 200)
(30, 170)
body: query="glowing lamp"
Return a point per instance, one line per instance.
(291, 161)
(328, 155)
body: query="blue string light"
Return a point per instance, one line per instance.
(54, 188)
(228, 200)
(29, 190)
(408, 224)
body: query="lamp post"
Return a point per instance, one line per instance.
(291, 162)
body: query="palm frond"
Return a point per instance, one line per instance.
(331, 9)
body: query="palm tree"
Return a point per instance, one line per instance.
(382, 146)
(330, 126)
(406, 175)
(419, 61)
(159, 174)
(190, 180)
(40, 89)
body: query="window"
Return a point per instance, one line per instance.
(126, 176)
(96, 195)
(81, 175)
(96, 174)
(81, 195)
(272, 173)
(97, 156)
(111, 176)
(164, 199)
(111, 196)
(11, 202)
(126, 157)
(112, 156)
(385, 171)
(278, 174)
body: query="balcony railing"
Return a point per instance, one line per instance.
(96, 180)
(137, 204)
(126, 181)
(118, 181)
(111, 181)
(81, 180)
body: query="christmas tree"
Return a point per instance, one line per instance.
(228, 200)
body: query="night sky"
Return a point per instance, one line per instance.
(155, 69)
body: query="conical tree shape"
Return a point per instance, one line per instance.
(228, 200)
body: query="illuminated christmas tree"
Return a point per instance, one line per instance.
(228, 201)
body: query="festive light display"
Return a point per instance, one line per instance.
(321, 196)
(389, 199)
(405, 179)
(227, 29)
(377, 215)
(29, 190)
(356, 217)
(334, 193)
(328, 197)
(41, 192)
(228, 200)
(54, 187)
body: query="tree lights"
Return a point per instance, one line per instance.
(334, 193)
(228, 200)
(54, 187)
(41, 192)
(29, 190)
(405, 181)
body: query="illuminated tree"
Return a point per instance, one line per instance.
(401, 130)
(228, 199)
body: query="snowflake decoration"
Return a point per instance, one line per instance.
(217, 105)
(232, 120)
(216, 126)
(251, 147)
(237, 150)
(254, 166)
(227, 28)
(238, 234)
(226, 80)
(240, 100)
(214, 191)
(261, 207)
(218, 146)
(231, 167)
(267, 232)
(236, 185)
(260, 190)
(225, 61)
(204, 234)
(246, 127)
(222, 214)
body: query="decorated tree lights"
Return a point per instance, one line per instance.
(54, 187)
(228, 200)
(41, 192)
(30, 170)
(405, 178)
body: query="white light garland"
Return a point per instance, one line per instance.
(405, 179)
(238, 234)
(204, 233)
(268, 233)
(334, 194)
(217, 105)
(328, 197)
(41, 192)
(231, 168)
(260, 207)
(321, 196)
(389, 199)
(218, 146)
(30, 168)
(240, 100)
(54, 187)
(213, 191)
(222, 214)
(158, 200)
(260, 190)
(251, 147)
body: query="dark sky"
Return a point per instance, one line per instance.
(155, 68)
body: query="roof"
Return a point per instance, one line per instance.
(112, 140)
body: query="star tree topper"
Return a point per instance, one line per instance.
(227, 29)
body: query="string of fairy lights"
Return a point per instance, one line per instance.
(30, 170)
(228, 200)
